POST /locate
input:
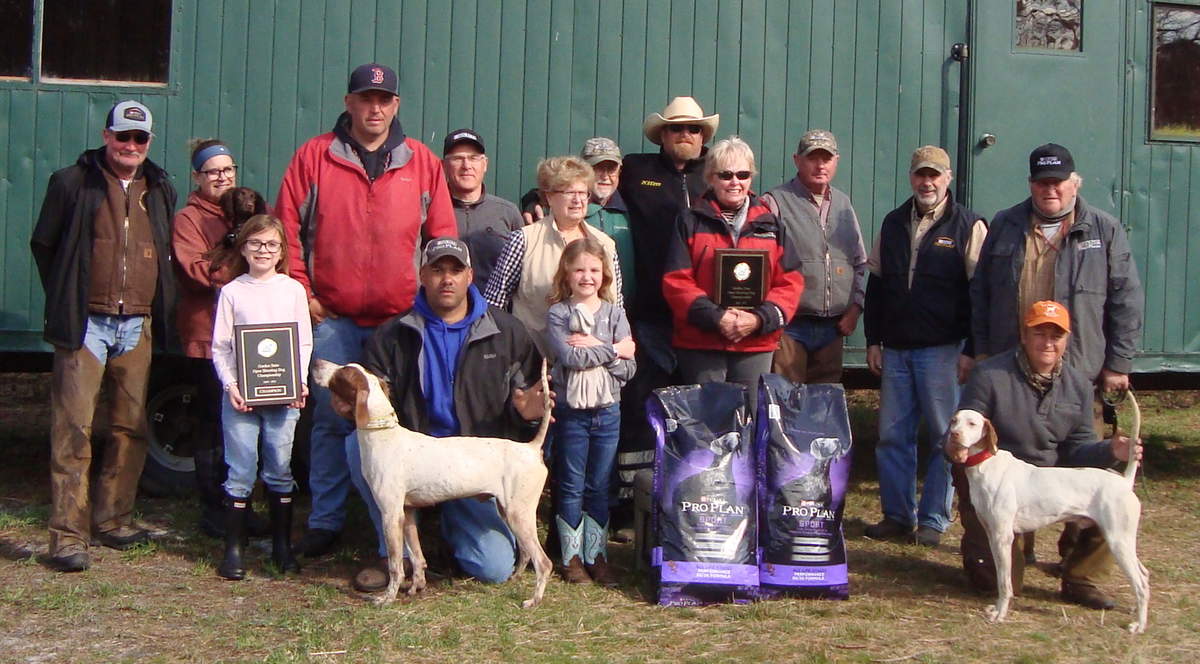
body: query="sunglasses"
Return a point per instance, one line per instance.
(691, 129)
(139, 137)
(729, 175)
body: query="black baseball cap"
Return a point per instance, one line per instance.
(458, 136)
(1050, 161)
(373, 76)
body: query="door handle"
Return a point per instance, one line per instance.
(987, 140)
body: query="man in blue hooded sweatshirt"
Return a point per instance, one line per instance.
(456, 366)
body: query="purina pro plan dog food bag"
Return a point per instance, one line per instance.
(704, 514)
(803, 436)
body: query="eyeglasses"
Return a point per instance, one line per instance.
(217, 173)
(729, 175)
(459, 159)
(573, 194)
(691, 129)
(270, 246)
(139, 137)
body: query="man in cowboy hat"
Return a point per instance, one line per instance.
(656, 187)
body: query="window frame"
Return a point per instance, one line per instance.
(1152, 136)
(36, 81)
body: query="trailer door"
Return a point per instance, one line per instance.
(1045, 71)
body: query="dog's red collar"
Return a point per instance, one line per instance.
(976, 459)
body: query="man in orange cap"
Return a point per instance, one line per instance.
(1041, 409)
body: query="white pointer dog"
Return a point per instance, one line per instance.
(1011, 496)
(407, 470)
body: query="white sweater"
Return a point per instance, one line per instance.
(245, 301)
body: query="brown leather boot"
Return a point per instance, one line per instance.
(601, 573)
(573, 571)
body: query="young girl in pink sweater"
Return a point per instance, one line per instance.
(262, 293)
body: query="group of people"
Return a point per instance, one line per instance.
(385, 255)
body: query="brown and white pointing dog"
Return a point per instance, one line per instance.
(1011, 496)
(408, 470)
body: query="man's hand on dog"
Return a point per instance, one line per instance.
(529, 403)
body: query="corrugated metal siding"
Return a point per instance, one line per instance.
(1161, 206)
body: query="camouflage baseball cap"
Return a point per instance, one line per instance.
(817, 139)
(598, 149)
(929, 156)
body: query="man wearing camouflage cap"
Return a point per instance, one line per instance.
(918, 324)
(824, 231)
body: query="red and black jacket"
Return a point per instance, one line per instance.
(689, 276)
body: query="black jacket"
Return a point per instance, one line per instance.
(62, 247)
(936, 309)
(655, 194)
(498, 356)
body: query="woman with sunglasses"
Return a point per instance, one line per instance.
(524, 274)
(201, 229)
(729, 281)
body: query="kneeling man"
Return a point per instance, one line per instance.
(455, 366)
(1041, 409)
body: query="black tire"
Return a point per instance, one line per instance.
(171, 420)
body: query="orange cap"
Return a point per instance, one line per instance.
(1047, 311)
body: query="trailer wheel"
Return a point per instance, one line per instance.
(172, 415)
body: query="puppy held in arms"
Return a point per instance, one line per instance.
(1011, 496)
(407, 470)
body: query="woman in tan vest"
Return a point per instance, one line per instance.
(524, 274)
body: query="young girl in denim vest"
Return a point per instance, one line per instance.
(592, 349)
(262, 293)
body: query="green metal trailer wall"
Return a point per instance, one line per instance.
(537, 77)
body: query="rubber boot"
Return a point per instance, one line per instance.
(571, 541)
(595, 552)
(235, 535)
(281, 532)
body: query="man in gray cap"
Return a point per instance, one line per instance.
(484, 220)
(918, 324)
(824, 232)
(1055, 246)
(456, 366)
(102, 247)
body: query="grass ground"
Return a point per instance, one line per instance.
(163, 602)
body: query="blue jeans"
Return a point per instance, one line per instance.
(112, 336)
(916, 383)
(483, 545)
(277, 425)
(813, 333)
(585, 446)
(339, 340)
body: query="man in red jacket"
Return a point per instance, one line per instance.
(358, 203)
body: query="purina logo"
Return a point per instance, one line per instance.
(376, 75)
(1049, 160)
(134, 113)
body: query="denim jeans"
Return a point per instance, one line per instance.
(277, 426)
(339, 340)
(481, 542)
(917, 383)
(585, 446)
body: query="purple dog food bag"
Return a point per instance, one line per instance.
(704, 515)
(803, 444)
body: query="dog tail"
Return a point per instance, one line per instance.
(544, 427)
(1136, 431)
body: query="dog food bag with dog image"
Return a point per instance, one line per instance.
(704, 512)
(803, 442)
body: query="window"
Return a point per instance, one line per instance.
(16, 38)
(87, 41)
(1175, 96)
(1049, 25)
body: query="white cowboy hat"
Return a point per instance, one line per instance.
(681, 110)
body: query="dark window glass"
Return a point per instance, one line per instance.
(16, 38)
(1053, 25)
(1175, 107)
(107, 40)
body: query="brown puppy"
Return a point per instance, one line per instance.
(407, 470)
